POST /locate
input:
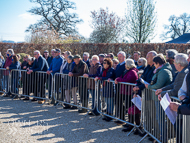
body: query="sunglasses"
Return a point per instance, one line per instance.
(139, 62)
(104, 63)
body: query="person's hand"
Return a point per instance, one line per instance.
(136, 88)
(134, 95)
(96, 79)
(116, 82)
(182, 97)
(7, 68)
(24, 67)
(159, 97)
(48, 72)
(146, 85)
(85, 75)
(174, 106)
(70, 74)
(2, 57)
(30, 71)
(109, 79)
(158, 91)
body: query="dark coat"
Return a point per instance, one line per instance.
(15, 65)
(68, 82)
(40, 64)
(107, 87)
(146, 76)
(119, 70)
(80, 69)
(173, 88)
(88, 63)
(94, 71)
(24, 64)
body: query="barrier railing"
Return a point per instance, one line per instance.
(107, 98)
(156, 123)
(75, 91)
(4, 81)
(36, 84)
(116, 103)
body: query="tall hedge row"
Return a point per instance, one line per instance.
(79, 48)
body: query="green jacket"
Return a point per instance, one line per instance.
(161, 78)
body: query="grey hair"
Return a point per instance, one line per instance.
(53, 50)
(95, 56)
(130, 63)
(68, 53)
(121, 52)
(154, 53)
(10, 51)
(37, 51)
(171, 53)
(181, 59)
(144, 61)
(86, 54)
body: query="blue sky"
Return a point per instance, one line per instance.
(15, 18)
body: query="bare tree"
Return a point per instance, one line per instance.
(141, 20)
(108, 27)
(177, 27)
(55, 14)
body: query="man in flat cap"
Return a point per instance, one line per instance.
(79, 69)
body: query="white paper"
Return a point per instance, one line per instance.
(137, 101)
(165, 102)
(143, 82)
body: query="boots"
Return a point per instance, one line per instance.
(131, 120)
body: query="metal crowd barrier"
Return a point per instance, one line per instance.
(75, 91)
(36, 84)
(156, 123)
(4, 81)
(116, 103)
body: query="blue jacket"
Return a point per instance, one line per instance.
(108, 87)
(14, 66)
(119, 70)
(56, 64)
(49, 60)
(40, 64)
(110, 74)
(66, 70)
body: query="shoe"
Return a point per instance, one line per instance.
(67, 106)
(128, 129)
(73, 107)
(137, 132)
(107, 119)
(82, 111)
(34, 99)
(41, 101)
(27, 98)
(119, 123)
(91, 114)
(150, 139)
(125, 125)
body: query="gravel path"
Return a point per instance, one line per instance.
(24, 122)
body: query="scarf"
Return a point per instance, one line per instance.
(104, 74)
(158, 68)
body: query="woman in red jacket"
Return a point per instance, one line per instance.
(129, 75)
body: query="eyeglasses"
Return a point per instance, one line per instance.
(104, 63)
(139, 62)
(94, 59)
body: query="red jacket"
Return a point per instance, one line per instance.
(8, 62)
(130, 76)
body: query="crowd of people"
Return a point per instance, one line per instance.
(165, 73)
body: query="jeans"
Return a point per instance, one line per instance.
(92, 92)
(110, 105)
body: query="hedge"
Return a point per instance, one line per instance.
(79, 48)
